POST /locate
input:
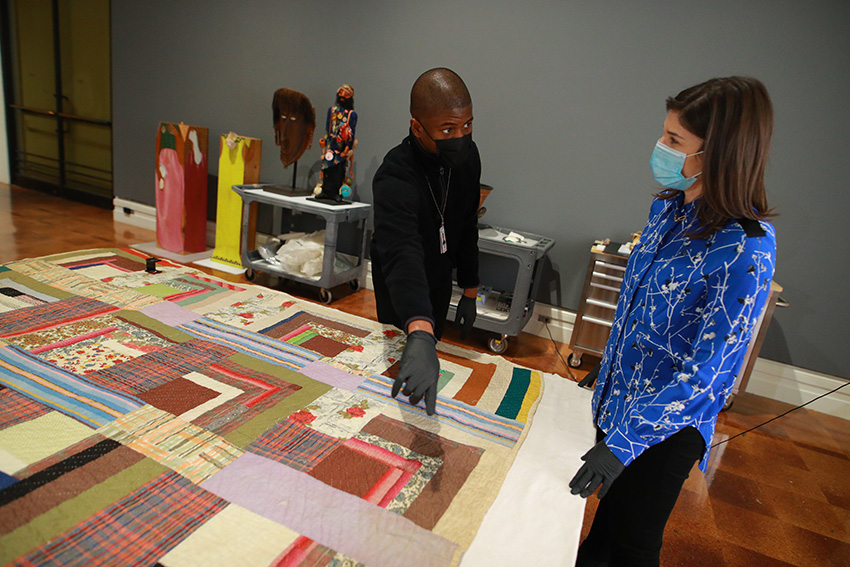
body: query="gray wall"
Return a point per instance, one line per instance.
(568, 100)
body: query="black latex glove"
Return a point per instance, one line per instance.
(465, 313)
(600, 466)
(419, 370)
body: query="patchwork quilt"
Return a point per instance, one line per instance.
(176, 419)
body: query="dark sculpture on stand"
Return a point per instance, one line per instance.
(294, 123)
(338, 146)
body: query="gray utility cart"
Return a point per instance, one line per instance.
(509, 266)
(337, 268)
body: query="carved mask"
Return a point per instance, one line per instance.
(294, 121)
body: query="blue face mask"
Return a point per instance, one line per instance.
(667, 164)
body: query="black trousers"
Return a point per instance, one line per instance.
(629, 523)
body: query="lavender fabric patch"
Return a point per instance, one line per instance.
(332, 376)
(333, 518)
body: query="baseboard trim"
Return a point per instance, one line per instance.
(144, 216)
(133, 213)
(797, 386)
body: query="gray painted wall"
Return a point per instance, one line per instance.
(568, 100)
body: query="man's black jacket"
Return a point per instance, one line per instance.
(407, 266)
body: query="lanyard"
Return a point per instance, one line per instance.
(443, 244)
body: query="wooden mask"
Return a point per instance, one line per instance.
(294, 122)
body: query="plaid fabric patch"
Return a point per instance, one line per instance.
(17, 408)
(187, 449)
(294, 444)
(135, 531)
(155, 369)
(38, 317)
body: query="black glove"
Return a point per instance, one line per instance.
(600, 466)
(420, 370)
(466, 313)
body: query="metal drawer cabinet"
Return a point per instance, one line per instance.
(599, 297)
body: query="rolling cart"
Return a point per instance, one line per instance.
(504, 307)
(333, 273)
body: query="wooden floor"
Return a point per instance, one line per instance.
(778, 496)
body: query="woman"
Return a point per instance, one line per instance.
(693, 290)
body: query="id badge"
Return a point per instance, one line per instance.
(443, 245)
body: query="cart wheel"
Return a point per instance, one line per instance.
(355, 284)
(574, 360)
(250, 274)
(498, 345)
(326, 296)
(729, 401)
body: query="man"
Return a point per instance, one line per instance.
(426, 195)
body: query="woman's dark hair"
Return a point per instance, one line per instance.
(734, 117)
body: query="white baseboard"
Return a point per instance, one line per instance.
(797, 386)
(144, 216)
(133, 213)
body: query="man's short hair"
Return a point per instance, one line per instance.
(438, 90)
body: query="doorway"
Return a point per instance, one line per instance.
(57, 78)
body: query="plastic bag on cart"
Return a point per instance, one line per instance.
(302, 254)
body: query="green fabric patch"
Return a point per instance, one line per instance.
(159, 290)
(512, 402)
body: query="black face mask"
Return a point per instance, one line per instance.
(455, 151)
(452, 152)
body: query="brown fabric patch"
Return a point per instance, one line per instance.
(115, 260)
(286, 327)
(349, 471)
(458, 461)
(477, 382)
(178, 396)
(23, 510)
(392, 371)
(324, 346)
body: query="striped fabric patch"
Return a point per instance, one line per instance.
(497, 428)
(135, 531)
(51, 473)
(79, 284)
(252, 344)
(71, 394)
(52, 314)
(524, 390)
(187, 449)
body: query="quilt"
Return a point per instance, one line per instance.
(175, 419)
